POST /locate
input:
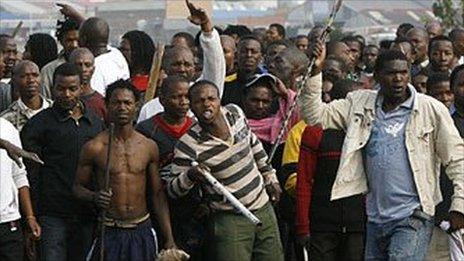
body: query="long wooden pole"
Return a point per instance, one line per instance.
(155, 72)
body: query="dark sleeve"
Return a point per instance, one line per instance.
(143, 128)
(32, 141)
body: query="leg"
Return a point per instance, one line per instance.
(11, 241)
(352, 247)
(376, 243)
(409, 239)
(53, 240)
(80, 239)
(233, 237)
(323, 246)
(267, 245)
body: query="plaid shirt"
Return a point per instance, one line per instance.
(18, 113)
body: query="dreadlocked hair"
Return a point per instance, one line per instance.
(142, 49)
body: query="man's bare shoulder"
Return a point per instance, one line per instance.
(97, 144)
(147, 143)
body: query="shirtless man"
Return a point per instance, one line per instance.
(134, 165)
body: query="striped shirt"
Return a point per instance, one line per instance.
(240, 164)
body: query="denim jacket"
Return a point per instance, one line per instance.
(431, 140)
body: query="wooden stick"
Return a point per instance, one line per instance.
(17, 28)
(106, 188)
(154, 73)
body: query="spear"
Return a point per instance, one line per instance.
(335, 8)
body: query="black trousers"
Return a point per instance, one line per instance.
(11, 241)
(333, 246)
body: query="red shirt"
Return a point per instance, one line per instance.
(140, 82)
(96, 103)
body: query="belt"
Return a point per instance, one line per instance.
(129, 223)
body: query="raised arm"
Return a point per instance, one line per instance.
(69, 11)
(160, 203)
(214, 64)
(332, 115)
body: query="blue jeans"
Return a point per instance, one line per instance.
(404, 239)
(65, 238)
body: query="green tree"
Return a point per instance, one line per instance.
(449, 13)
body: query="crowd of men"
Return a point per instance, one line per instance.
(370, 165)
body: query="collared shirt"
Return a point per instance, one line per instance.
(58, 138)
(431, 140)
(239, 164)
(392, 195)
(18, 113)
(12, 177)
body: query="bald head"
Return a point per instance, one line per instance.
(179, 60)
(94, 32)
(26, 79)
(420, 41)
(85, 62)
(80, 52)
(21, 66)
(434, 29)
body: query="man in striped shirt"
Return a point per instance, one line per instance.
(223, 142)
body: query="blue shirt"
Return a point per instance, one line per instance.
(392, 191)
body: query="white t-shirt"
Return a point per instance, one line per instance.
(12, 177)
(109, 67)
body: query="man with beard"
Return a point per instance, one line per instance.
(223, 143)
(67, 32)
(26, 79)
(133, 171)
(179, 60)
(94, 101)
(57, 135)
(441, 55)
